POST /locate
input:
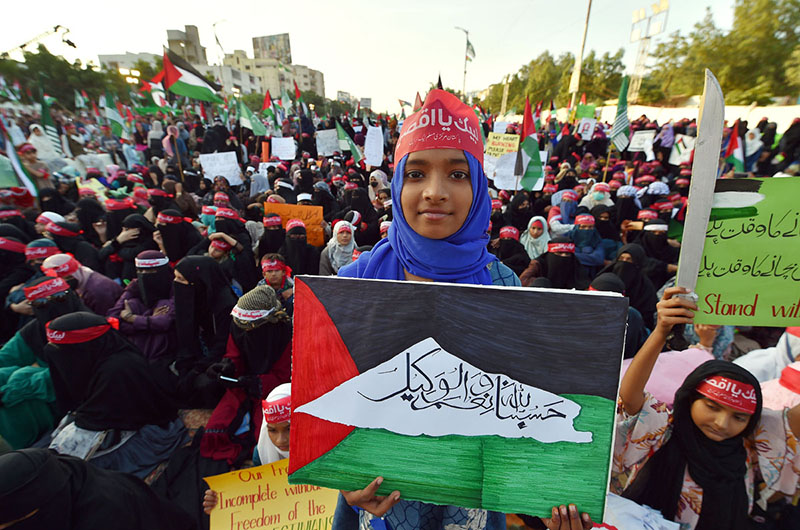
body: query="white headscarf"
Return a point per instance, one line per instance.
(341, 255)
(267, 451)
(535, 247)
(43, 144)
(383, 182)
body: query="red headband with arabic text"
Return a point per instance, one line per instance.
(68, 268)
(509, 232)
(61, 231)
(169, 219)
(12, 246)
(729, 392)
(45, 289)
(32, 253)
(5, 214)
(561, 247)
(79, 336)
(278, 410)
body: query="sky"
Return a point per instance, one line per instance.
(369, 48)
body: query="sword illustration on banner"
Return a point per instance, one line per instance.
(701, 191)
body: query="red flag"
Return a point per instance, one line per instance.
(120, 109)
(583, 98)
(528, 125)
(128, 112)
(83, 93)
(267, 102)
(203, 113)
(417, 103)
(297, 95)
(94, 108)
(170, 74)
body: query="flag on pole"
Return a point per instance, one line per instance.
(285, 102)
(268, 108)
(50, 126)
(357, 156)
(734, 154)
(95, 110)
(404, 103)
(20, 177)
(417, 103)
(532, 171)
(439, 83)
(470, 50)
(620, 132)
(5, 91)
(50, 99)
(114, 117)
(564, 132)
(80, 100)
(537, 116)
(583, 99)
(249, 120)
(182, 79)
(298, 97)
(552, 114)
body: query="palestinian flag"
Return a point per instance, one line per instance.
(80, 99)
(354, 149)
(404, 103)
(298, 100)
(249, 120)
(50, 99)
(182, 79)
(564, 132)
(5, 91)
(285, 102)
(736, 198)
(50, 126)
(734, 154)
(115, 121)
(552, 114)
(457, 417)
(268, 109)
(537, 116)
(417, 103)
(18, 179)
(533, 174)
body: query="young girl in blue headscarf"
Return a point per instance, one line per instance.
(439, 233)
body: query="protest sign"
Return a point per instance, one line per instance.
(284, 148)
(586, 128)
(439, 398)
(263, 166)
(373, 146)
(641, 139)
(310, 215)
(499, 127)
(584, 111)
(500, 154)
(682, 149)
(750, 271)
(221, 164)
(327, 142)
(261, 497)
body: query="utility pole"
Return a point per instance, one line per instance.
(466, 58)
(643, 29)
(575, 80)
(505, 97)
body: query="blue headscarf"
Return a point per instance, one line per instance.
(459, 258)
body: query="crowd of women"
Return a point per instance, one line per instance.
(135, 297)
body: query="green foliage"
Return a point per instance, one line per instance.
(253, 101)
(147, 70)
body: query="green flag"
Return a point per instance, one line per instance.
(357, 156)
(249, 120)
(115, 121)
(80, 101)
(12, 171)
(50, 126)
(620, 132)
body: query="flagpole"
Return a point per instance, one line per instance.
(466, 49)
(608, 159)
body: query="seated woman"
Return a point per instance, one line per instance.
(300, 256)
(589, 250)
(98, 292)
(278, 275)
(120, 251)
(175, 235)
(146, 309)
(257, 359)
(41, 489)
(339, 251)
(117, 411)
(510, 251)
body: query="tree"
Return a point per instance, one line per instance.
(253, 101)
(147, 70)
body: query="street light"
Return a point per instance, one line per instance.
(644, 27)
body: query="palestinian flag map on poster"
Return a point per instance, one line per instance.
(474, 396)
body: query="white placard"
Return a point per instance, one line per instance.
(358, 128)
(426, 390)
(284, 148)
(373, 146)
(504, 178)
(640, 139)
(221, 164)
(586, 128)
(500, 127)
(327, 142)
(263, 166)
(682, 149)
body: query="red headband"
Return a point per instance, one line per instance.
(294, 223)
(734, 394)
(227, 213)
(149, 263)
(45, 289)
(663, 206)
(208, 210)
(115, 205)
(135, 178)
(561, 247)
(78, 336)
(646, 214)
(602, 186)
(158, 192)
(277, 411)
(61, 231)
(538, 224)
(40, 252)
(682, 182)
(509, 232)
(5, 214)
(550, 188)
(168, 219)
(584, 219)
(356, 254)
(221, 244)
(219, 196)
(275, 265)
(274, 220)
(443, 122)
(569, 195)
(497, 204)
(67, 268)
(614, 185)
(12, 246)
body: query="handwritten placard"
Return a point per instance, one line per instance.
(221, 164)
(327, 142)
(586, 128)
(310, 215)
(261, 497)
(641, 140)
(498, 145)
(373, 146)
(750, 271)
(284, 148)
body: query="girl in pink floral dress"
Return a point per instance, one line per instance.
(707, 462)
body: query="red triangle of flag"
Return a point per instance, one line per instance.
(170, 73)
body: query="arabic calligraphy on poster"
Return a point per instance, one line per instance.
(750, 270)
(427, 390)
(261, 497)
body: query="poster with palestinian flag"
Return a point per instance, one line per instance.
(473, 396)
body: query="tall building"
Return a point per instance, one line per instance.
(309, 79)
(273, 47)
(186, 43)
(233, 80)
(276, 75)
(128, 60)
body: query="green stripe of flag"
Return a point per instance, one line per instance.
(357, 156)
